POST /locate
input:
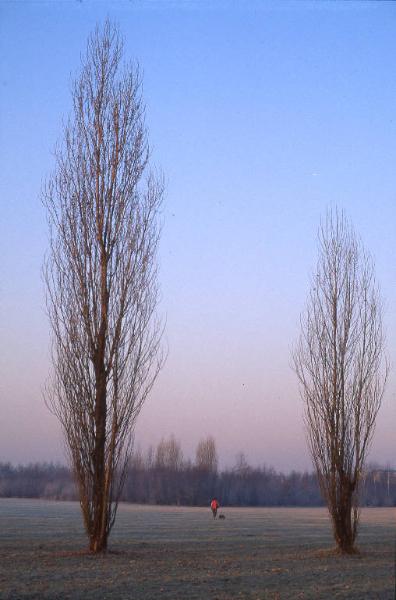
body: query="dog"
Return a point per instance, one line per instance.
(221, 516)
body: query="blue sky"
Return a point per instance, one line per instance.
(261, 116)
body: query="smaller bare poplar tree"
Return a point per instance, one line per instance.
(206, 455)
(340, 364)
(101, 277)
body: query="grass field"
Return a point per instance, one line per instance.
(181, 553)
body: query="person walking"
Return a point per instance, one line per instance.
(214, 505)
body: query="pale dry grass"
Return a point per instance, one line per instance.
(181, 553)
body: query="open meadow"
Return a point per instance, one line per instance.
(172, 552)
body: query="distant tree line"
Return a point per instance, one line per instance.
(162, 476)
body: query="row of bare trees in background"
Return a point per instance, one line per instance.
(103, 203)
(240, 485)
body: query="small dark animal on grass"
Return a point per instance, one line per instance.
(221, 516)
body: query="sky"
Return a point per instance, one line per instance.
(261, 116)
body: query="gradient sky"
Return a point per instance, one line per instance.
(261, 116)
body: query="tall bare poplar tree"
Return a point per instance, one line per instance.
(101, 279)
(340, 364)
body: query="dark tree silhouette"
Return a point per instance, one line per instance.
(340, 364)
(100, 275)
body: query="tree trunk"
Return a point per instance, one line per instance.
(343, 525)
(98, 535)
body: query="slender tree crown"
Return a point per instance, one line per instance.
(206, 455)
(340, 363)
(101, 276)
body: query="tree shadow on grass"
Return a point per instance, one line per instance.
(334, 552)
(108, 554)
